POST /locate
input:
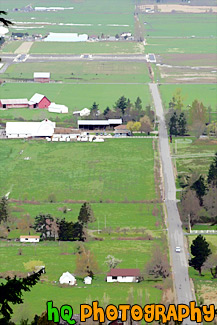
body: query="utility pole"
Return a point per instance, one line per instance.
(98, 225)
(105, 222)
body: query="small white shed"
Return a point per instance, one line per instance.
(88, 280)
(29, 239)
(67, 278)
(56, 108)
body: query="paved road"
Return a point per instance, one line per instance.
(176, 238)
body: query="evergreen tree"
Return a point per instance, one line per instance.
(212, 174)
(200, 251)
(173, 124)
(69, 231)
(182, 123)
(200, 188)
(138, 104)
(94, 110)
(4, 209)
(43, 225)
(86, 214)
(106, 111)
(121, 104)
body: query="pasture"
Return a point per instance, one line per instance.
(78, 171)
(87, 47)
(133, 254)
(81, 72)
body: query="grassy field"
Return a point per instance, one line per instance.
(133, 253)
(188, 45)
(179, 25)
(78, 171)
(205, 93)
(76, 72)
(75, 96)
(10, 47)
(87, 47)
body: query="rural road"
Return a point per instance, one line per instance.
(179, 261)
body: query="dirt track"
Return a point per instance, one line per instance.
(23, 48)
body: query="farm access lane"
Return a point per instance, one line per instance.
(184, 292)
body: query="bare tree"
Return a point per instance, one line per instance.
(158, 266)
(211, 265)
(112, 262)
(210, 202)
(190, 207)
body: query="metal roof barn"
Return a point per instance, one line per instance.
(66, 37)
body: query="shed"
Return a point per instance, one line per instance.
(56, 108)
(67, 278)
(30, 129)
(42, 77)
(123, 275)
(39, 101)
(122, 130)
(87, 280)
(98, 124)
(14, 103)
(83, 112)
(29, 239)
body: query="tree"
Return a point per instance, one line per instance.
(133, 126)
(24, 223)
(130, 125)
(197, 112)
(137, 126)
(43, 225)
(197, 128)
(11, 293)
(173, 124)
(106, 111)
(112, 262)
(94, 110)
(190, 207)
(182, 123)
(210, 203)
(86, 264)
(121, 104)
(150, 113)
(177, 100)
(4, 213)
(86, 214)
(212, 173)
(211, 265)
(3, 20)
(69, 231)
(138, 104)
(31, 265)
(145, 124)
(200, 251)
(200, 188)
(158, 266)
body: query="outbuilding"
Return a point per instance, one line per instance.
(67, 278)
(42, 77)
(56, 108)
(87, 280)
(123, 275)
(30, 129)
(122, 130)
(84, 112)
(98, 124)
(39, 101)
(14, 103)
(29, 239)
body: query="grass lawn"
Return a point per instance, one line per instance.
(75, 96)
(78, 171)
(188, 45)
(87, 47)
(179, 25)
(204, 92)
(133, 254)
(81, 72)
(10, 47)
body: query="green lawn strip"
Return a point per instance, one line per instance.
(74, 96)
(10, 47)
(81, 72)
(204, 92)
(78, 171)
(116, 47)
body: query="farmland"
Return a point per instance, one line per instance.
(81, 72)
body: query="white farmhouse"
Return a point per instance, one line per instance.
(29, 239)
(87, 280)
(67, 278)
(30, 129)
(123, 275)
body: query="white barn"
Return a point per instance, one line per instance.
(29, 239)
(87, 280)
(30, 129)
(56, 108)
(123, 275)
(67, 278)
(66, 37)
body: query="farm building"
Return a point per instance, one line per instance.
(87, 280)
(30, 129)
(123, 275)
(29, 239)
(122, 130)
(14, 103)
(42, 77)
(56, 108)
(66, 37)
(39, 101)
(99, 124)
(67, 278)
(83, 112)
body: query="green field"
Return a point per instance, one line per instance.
(74, 96)
(203, 92)
(178, 45)
(10, 47)
(179, 25)
(133, 253)
(81, 72)
(87, 47)
(78, 171)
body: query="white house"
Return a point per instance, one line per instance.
(67, 278)
(30, 129)
(88, 280)
(56, 108)
(123, 275)
(29, 239)
(83, 112)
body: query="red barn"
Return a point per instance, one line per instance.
(14, 103)
(42, 77)
(39, 101)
